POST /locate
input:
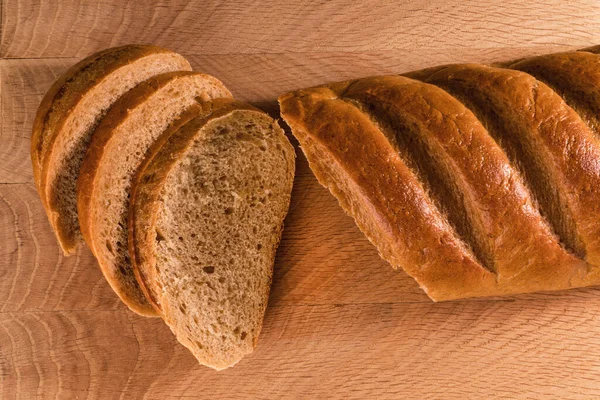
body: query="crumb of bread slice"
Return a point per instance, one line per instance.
(207, 213)
(117, 149)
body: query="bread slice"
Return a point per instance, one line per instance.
(68, 114)
(207, 213)
(554, 148)
(116, 150)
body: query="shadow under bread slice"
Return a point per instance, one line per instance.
(117, 148)
(207, 213)
(67, 116)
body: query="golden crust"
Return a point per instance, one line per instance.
(574, 75)
(565, 147)
(493, 192)
(342, 131)
(351, 157)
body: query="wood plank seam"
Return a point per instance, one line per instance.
(292, 26)
(535, 51)
(284, 53)
(1, 31)
(427, 304)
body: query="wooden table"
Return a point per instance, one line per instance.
(341, 323)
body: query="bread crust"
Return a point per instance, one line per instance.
(342, 132)
(63, 97)
(566, 148)
(351, 157)
(87, 185)
(493, 191)
(574, 75)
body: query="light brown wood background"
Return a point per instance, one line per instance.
(341, 323)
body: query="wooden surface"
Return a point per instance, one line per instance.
(341, 323)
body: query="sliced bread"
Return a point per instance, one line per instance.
(116, 150)
(207, 213)
(67, 116)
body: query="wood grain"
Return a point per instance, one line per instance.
(34, 275)
(23, 84)
(340, 322)
(408, 351)
(75, 28)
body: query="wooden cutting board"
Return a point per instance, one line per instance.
(341, 323)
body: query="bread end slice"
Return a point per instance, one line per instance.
(67, 115)
(207, 213)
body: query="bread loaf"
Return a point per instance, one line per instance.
(67, 116)
(117, 148)
(206, 216)
(476, 180)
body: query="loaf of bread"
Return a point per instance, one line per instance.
(68, 115)
(116, 150)
(207, 211)
(476, 180)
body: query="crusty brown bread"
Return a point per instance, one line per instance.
(484, 185)
(69, 112)
(550, 143)
(117, 148)
(360, 166)
(207, 213)
(574, 75)
(445, 145)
